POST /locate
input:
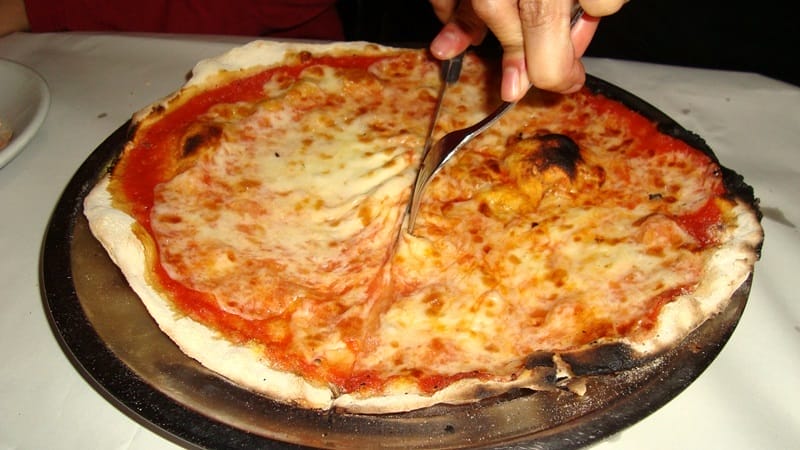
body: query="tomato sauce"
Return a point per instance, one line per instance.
(703, 223)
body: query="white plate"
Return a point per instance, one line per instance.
(24, 101)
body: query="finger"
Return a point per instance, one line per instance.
(581, 36)
(466, 19)
(582, 33)
(600, 8)
(552, 61)
(463, 28)
(443, 9)
(502, 18)
(450, 41)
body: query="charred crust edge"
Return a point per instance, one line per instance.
(603, 359)
(112, 147)
(597, 360)
(539, 359)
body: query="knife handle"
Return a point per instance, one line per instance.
(451, 68)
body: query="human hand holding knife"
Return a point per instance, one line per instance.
(539, 47)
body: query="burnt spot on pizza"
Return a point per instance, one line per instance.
(304, 56)
(602, 359)
(484, 391)
(543, 367)
(539, 359)
(544, 150)
(545, 164)
(737, 188)
(191, 144)
(199, 136)
(558, 150)
(158, 109)
(131, 129)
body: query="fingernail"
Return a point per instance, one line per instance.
(443, 44)
(515, 83)
(511, 83)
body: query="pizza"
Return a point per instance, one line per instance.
(259, 213)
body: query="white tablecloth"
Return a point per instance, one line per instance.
(749, 398)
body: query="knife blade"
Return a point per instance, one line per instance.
(450, 72)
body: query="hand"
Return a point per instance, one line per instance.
(539, 48)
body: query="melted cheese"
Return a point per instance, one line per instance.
(290, 216)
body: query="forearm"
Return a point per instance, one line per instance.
(12, 16)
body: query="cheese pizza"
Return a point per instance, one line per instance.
(259, 214)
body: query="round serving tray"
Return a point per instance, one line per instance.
(111, 339)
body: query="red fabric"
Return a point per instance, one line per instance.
(309, 19)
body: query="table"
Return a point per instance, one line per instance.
(748, 398)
